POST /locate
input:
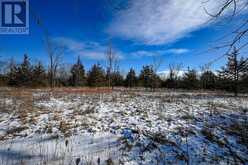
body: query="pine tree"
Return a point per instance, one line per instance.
(234, 70)
(131, 79)
(12, 73)
(39, 75)
(208, 80)
(145, 77)
(148, 78)
(78, 74)
(190, 80)
(244, 83)
(96, 76)
(117, 79)
(24, 73)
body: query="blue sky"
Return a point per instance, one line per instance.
(176, 31)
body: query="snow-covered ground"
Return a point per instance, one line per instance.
(42, 127)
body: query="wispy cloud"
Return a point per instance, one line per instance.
(90, 50)
(178, 51)
(145, 53)
(155, 22)
(97, 51)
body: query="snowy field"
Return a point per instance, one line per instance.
(122, 127)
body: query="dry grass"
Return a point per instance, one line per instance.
(69, 118)
(240, 130)
(65, 128)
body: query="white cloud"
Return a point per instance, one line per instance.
(166, 73)
(70, 43)
(144, 53)
(90, 50)
(96, 51)
(178, 51)
(155, 22)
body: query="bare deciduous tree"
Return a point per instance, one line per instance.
(112, 64)
(172, 81)
(63, 74)
(55, 52)
(174, 70)
(157, 61)
(240, 33)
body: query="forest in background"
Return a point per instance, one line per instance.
(232, 77)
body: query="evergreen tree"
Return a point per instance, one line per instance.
(96, 76)
(78, 74)
(208, 80)
(234, 70)
(24, 73)
(148, 78)
(117, 79)
(131, 79)
(244, 83)
(171, 82)
(190, 80)
(12, 73)
(39, 75)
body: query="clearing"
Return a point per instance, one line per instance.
(70, 126)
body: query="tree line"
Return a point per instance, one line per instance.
(232, 77)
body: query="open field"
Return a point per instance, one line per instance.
(89, 126)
